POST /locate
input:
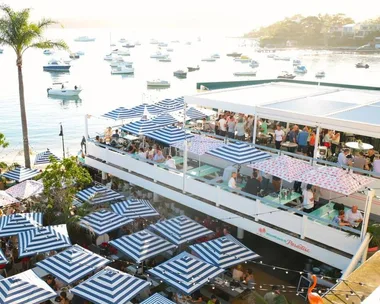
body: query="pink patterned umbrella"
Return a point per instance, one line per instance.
(284, 167)
(7, 199)
(336, 179)
(199, 144)
(26, 189)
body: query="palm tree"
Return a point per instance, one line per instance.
(18, 32)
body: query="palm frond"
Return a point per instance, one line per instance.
(45, 22)
(48, 44)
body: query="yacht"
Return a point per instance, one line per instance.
(128, 45)
(270, 56)
(320, 74)
(56, 66)
(244, 59)
(123, 53)
(297, 62)
(180, 74)
(247, 73)
(122, 40)
(166, 59)
(60, 89)
(48, 52)
(282, 58)
(300, 69)
(216, 56)
(162, 44)
(192, 69)
(286, 75)
(154, 41)
(80, 53)
(254, 64)
(158, 84)
(169, 50)
(109, 57)
(208, 59)
(74, 56)
(84, 39)
(234, 54)
(122, 70)
(362, 65)
(158, 55)
(120, 61)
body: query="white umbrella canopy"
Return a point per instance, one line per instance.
(7, 199)
(26, 189)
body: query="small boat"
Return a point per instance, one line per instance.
(362, 65)
(158, 55)
(112, 44)
(188, 43)
(216, 56)
(109, 57)
(192, 69)
(247, 73)
(158, 83)
(297, 62)
(254, 64)
(123, 40)
(286, 75)
(74, 56)
(79, 53)
(1, 51)
(234, 54)
(300, 69)
(56, 66)
(169, 50)
(128, 45)
(270, 56)
(320, 74)
(162, 44)
(166, 59)
(48, 52)
(60, 89)
(243, 59)
(123, 53)
(282, 58)
(208, 59)
(137, 43)
(120, 61)
(154, 41)
(180, 74)
(84, 39)
(122, 70)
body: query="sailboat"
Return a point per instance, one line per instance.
(111, 44)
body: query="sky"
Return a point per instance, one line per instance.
(242, 15)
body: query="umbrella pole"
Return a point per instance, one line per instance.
(279, 195)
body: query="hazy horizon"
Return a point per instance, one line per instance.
(196, 14)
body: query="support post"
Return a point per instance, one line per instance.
(86, 126)
(367, 212)
(240, 233)
(254, 129)
(184, 150)
(316, 144)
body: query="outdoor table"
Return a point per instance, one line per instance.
(203, 171)
(282, 201)
(228, 290)
(327, 212)
(355, 145)
(130, 137)
(224, 185)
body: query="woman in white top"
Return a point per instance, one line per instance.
(308, 199)
(240, 130)
(279, 136)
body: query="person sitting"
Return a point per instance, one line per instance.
(308, 199)
(196, 297)
(232, 181)
(170, 162)
(159, 157)
(142, 153)
(342, 157)
(339, 219)
(354, 217)
(359, 161)
(51, 282)
(237, 273)
(116, 135)
(371, 157)
(253, 184)
(212, 300)
(63, 298)
(248, 278)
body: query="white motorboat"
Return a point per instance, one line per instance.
(300, 69)
(297, 62)
(123, 40)
(80, 53)
(270, 56)
(208, 59)
(180, 74)
(320, 74)
(109, 57)
(61, 89)
(137, 43)
(244, 59)
(167, 59)
(169, 49)
(188, 43)
(128, 45)
(154, 41)
(281, 58)
(162, 44)
(254, 64)
(123, 53)
(56, 66)
(158, 83)
(286, 75)
(158, 55)
(247, 73)
(122, 70)
(48, 52)
(84, 39)
(120, 61)
(216, 56)
(112, 44)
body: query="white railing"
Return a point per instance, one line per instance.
(294, 221)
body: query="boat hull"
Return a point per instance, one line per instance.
(56, 68)
(123, 71)
(63, 92)
(244, 74)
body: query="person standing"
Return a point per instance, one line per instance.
(308, 199)
(302, 140)
(279, 136)
(231, 127)
(240, 129)
(311, 146)
(335, 142)
(222, 126)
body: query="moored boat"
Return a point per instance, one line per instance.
(320, 74)
(158, 55)
(56, 66)
(121, 69)
(286, 75)
(158, 84)
(362, 65)
(300, 69)
(242, 59)
(60, 89)
(48, 52)
(180, 74)
(166, 59)
(84, 39)
(192, 69)
(208, 59)
(247, 73)
(234, 54)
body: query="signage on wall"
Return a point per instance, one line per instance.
(287, 242)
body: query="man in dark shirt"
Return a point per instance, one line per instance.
(253, 185)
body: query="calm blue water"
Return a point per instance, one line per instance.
(103, 92)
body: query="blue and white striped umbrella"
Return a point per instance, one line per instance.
(186, 272)
(43, 239)
(135, 208)
(3, 259)
(194, 113)
(73, 264)
(98, 195)
(104, 221)
(20, 174)
(171, 105)
(152, 109)
(25, 288)
(157, 299)
(169, 135)
(181, 229)
(142, 245)
(121, 113)
(165, 119)
(224, 252)
(43, 158)
(15, 223)
(140, 127)
(110, 286)
(239, 153)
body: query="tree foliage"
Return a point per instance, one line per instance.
(3, 141)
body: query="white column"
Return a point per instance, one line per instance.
(316, 142)
(184, 150)
(240, 233)
(104, 176)
(254, 130)
(367, 212)
(156, 197)
(86, 126)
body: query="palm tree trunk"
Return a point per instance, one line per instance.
(24, 123)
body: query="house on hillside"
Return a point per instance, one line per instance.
(363, 30)
(349, 30)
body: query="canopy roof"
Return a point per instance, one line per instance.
(26, 189)
(199, 144)
(157, 299)
(349, 110)
(135, 208)
(140, 127)
(43, 158)
(169, 135)
(104, 221)
(98, 195)
(121, 113)
(20, 174)
(7, 199)
(15, 223)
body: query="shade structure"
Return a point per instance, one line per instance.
(98, 195)
(181, 229)
(166, 119)
(199, 144)
(25, 288)
(43, 158)
(18, 222)
(104, 221)
(186, 272)
(20, 174)
(3, 259)
(151, 108)
(239, 153)
(169, 135)
(121, 113)
(224, 252)
(140, 127)
(171, 105)
(157, 299)
(26, 189)
(194, 113)
(142, 245)
(110, 286)
(135, 208)
(284, 167)
(72, 264)
(336, 179)
(7, 199)
(43, 239)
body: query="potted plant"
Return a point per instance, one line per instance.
(374, 230)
